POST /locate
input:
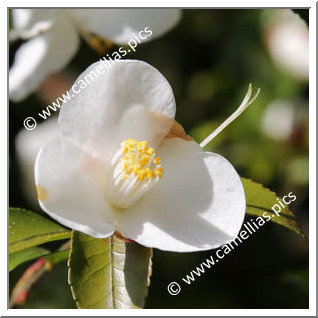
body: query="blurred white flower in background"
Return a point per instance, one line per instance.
(278, 119)
(287, 40)
(27, 145)
(285, 120)
(53, 38)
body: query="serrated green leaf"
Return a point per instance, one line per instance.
(27, 229)
(108, 273)
(18, 258)
(260, 199)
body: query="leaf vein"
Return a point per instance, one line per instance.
(91, 274)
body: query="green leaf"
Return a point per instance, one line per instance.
(108, 273)
(16, 259)
(27, 229)
(58, 256)
(20, 257)
(260, 199)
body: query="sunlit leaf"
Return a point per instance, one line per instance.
(17, 258)
(27, 229)
(260, 199)
(108, 273)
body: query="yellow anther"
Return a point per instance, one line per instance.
(139, 159)
(145, 160)
(158, 172)
(129, 170)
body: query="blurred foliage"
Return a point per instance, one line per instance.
(209, 59)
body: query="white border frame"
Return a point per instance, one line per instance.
(312, 164)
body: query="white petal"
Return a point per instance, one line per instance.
(121, 25)
(70, 184)
(44, 54)
(129, 100)
(27, 144)
(30, 22)
(198, 204)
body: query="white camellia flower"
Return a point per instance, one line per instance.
(53, 38)
(121, 163)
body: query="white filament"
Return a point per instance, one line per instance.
(124, 192)
(245, 103)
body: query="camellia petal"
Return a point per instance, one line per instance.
(131, 99)
(122, 25)
(69, 185)
(198, 204)
(40, 56)
(30, 22)
(54, 35)
(27, 146)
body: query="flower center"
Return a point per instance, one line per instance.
(139, 160)
(136, 169)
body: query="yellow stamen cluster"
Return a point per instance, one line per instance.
(139, 160)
